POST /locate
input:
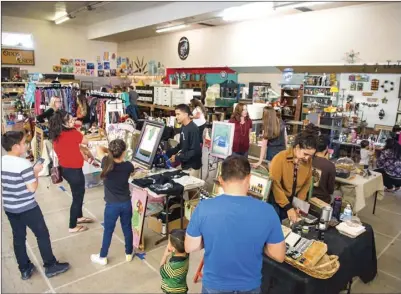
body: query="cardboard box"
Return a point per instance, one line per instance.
(155, 225)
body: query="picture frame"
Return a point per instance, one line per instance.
(222, 139)
(399, 89)
(85, 85)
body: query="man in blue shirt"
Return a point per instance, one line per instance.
(235, 231)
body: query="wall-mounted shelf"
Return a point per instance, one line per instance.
(319, 96)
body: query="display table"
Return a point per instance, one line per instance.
(365, 188)
(357, 259)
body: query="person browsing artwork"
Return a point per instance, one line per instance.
(234, 251)
(291, 173)
(243, 125)
(115, 174)
(188, 151)
(66, 142)
(199, 114)
(274, 135)
(54, 105)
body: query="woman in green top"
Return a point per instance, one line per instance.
(174, 264)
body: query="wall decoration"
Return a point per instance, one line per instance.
(360, 87)
(183, 48)
(381, 113)
(113, 72)
(64, 68)
(100, 73)
(222, 139)
(56, 68)
(83, 62)
(374, 85)
(367, 93)
(384, 100)
(88, 72)
(223, 74)
(362, 78)
(70, 69)
(90, 65)
(107, 73)
(77, 62)
(86, 85)
(106, 56)
(351, 78)
(64, 61)
(140, 66)
(351, 57)
(118, 61)
(387, 86)
(106, 65)
(83, 71)
(100, 66)
(113, 56)
(352, 86)
(98, 59)
(71, 62)
(139, 203)
(77, 71)
(17, 57)
(372, 99)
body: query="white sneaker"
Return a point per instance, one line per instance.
(129, 257)
(99, 260)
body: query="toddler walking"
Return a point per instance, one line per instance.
(115, 174)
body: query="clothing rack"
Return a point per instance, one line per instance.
(99, 94)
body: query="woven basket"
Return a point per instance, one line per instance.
(327, 266)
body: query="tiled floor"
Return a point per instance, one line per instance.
(141, 275)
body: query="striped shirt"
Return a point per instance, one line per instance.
(174, 275)
(16, 173)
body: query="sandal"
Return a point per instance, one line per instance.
(78, 229)
(85, 220)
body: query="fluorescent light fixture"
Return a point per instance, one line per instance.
(169, 29)
(247, 11)
(295, 5)
(62, 19)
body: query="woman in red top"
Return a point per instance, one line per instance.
(66, 142)
(243, 124)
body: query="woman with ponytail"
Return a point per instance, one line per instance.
(115, 174)
(66, 142)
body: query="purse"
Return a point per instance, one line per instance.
(55, 171)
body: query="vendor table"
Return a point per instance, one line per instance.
(188, 182)
(365, 188)
(357, 259)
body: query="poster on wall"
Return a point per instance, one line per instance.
(222, 139)
(64, 61)
(90, 65)
(83, 71)
(113, 72)
(124, 63)
(106, 56)
(83, 63)
(100, 66)
(77, 71)
(113, 56)
(77, 62)
(139, 202)
(70, 69)
(118, 61)
(64, 68)
(17, 57)
(107, 73)
(88, 72)
(56, 68)
(100, 73)
(107, 65)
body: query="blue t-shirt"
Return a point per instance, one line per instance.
(235, 230)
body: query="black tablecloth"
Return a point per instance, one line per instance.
(357, 259)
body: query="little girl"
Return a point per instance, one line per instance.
(366, 154)
(115, 175)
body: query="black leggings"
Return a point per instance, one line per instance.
(389, 182)
(76, 180)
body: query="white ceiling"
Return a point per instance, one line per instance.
(50, 10)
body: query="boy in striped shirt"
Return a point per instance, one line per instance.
(174, 271)
(19, 181)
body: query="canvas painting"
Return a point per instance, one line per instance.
(139, 202)
(222, 139)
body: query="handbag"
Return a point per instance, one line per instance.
(55, 171)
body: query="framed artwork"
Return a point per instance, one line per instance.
(222, 139)
(399, 90)
(139, 202)
(86, 85)
(398, 119)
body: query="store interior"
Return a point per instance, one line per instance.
(335, 64)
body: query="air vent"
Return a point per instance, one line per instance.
(206, 24)
(304, 9)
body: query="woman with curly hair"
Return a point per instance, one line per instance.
(243, 125)
(66, 143)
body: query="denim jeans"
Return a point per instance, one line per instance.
(211, 291)
(111, 213)
(34, 220)
(76, 179)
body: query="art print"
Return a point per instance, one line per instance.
(106, 65)
(77, 62)
(90, 65)
(139, 202)
(100, 66)
(64, 61)
(222, 139)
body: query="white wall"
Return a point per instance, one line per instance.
(313, 38)
(53, 42)
(371, 115)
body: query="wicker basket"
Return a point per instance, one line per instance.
(327, 266)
